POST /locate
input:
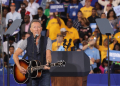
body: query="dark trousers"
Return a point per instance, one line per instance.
(44, 80)
(18, 3)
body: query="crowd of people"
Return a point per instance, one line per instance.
(72, 26)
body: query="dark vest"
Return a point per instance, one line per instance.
(37, 55)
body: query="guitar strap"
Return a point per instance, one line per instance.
(24, 56)
(41, 51)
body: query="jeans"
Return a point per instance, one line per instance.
(44, 80)
(43, 33)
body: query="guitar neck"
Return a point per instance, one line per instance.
(42, 66)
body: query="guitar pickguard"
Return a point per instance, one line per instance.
(34, 74)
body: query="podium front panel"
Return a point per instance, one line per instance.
(77, 64)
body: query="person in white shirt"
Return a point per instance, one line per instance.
(32, 7)
(11, 43)
(13, 14)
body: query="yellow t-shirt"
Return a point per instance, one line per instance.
(103, 38)
(56, 45)
(87, 12)
(54, 28)
(72, 33)
(103, 51)
(117, 36)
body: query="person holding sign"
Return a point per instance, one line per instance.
(105, 3)
(73, 9)
(54, 26)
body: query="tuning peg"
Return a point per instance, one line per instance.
(63, 65)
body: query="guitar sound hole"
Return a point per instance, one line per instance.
(26, 75)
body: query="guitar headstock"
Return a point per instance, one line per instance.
(60, 63)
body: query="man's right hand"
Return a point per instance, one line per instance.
(22, 70)
(92, 42)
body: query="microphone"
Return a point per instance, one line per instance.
(64, 43)
(36, 36)
(69, 43)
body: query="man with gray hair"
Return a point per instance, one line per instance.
(41, 53)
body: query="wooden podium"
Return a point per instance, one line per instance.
(75, 71)
(69, 81)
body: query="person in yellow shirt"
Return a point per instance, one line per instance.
(87, 9)
(117, 37)
(58, 45)
(103, 49)
(54, 26)
(59, 42)
(72, 32)
(100, 37)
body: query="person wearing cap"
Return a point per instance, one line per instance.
(32, 7)
(87, 9)
(10, 21)
(92, 52)
(24, 11)
(108, 2)
(13, 14)
(72, 32)
(108, 7)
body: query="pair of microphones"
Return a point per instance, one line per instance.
(64, 44)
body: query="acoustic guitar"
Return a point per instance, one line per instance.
(36, 70)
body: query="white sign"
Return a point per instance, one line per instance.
(3, 1)
(117, 10)
(6, 2)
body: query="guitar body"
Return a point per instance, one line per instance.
(19, 77)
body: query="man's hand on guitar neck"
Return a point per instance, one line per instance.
(22, 70)
(46, 67)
